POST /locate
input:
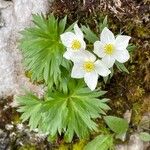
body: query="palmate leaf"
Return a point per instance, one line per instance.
(68, 114)
(30, 106)
(42, 49)
(73, 112)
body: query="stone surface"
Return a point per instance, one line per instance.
(15, 15)
(134, 143)
(4, 141)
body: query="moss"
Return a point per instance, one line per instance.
(79, 145)
(142, 32)
(136, 114)
(16, 119)
(27, 147)
(63, 147)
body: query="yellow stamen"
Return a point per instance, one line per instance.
(109, 49)
(76, 45)
(88, 66)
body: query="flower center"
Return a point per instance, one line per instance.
(109, 49)
(76, 45)
(88, 66)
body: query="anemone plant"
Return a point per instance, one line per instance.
(61, 59)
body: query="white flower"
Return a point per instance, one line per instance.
(111, 49)
(89, 68)
(74, 42)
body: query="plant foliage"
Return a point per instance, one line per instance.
(70, 114)
(68, 108)
(43, 51)
(144, 136)
(121, 67)
(89, 34)
(118, 125)
(101, 142)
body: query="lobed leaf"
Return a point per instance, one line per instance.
(101, 142)
(30, 106)
(43, 51)
(70, 113)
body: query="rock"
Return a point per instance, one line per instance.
(135, 143)
(121, 147)
(7, 78)
(127, 116)
(9, 127)
(4, 141)
(15, 16)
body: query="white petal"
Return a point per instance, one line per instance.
(78, 31)
(122, 41)
(77, 71)
(77, 56)
(68, 54)
(108, 61)
(122, 55)
(67, 38)
(80, 56)
(88, 56)
(83, 44)
(91, 80)
(98, 49)
(101, 68)
(107, 36)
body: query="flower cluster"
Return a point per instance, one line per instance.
(86, 64)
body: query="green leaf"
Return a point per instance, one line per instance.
(62, 25)
(30, 106)
(43, 51)
(118, 125)
(144, 136)
(109, 76)
(112, 72)
(104, 24)
(89, 34)
(101, 142)
(121, 67)
(70, 113)
(131, 47)
(70, 27)
(105, 79)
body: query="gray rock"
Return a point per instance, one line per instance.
(4, 140)
(135, 143)
(15, 16)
